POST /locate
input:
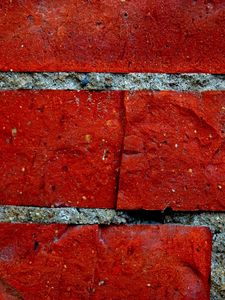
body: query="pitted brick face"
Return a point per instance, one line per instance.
(116, 262)
(60, 148)
(112, 36)
(47, 262)
(112, 157)
(173, 151)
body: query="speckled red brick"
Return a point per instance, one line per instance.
(174, 151)
(90, 262)
(60, 147)
(40, 262)
(112, 36)
(153, 262)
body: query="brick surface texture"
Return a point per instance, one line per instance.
(116, 262)
(63, 148)
(111, 157)
(60, 147)
(174, 154)
(112, 36)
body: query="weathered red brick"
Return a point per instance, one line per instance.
(153, 262)
(60, 147)
(174, 151)
(112, 36)
(47, 262)
(90, 262)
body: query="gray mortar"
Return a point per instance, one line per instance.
(108, 81)
(72, 215)
(132, 81)
(22, 214)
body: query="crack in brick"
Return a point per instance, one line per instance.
(123, 123)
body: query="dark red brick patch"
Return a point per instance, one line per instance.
(174, 151)
(112, 36)
(90, 262)
(60, 147)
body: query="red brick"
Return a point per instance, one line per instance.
(90, 262)
(153, 262)
(113, 36)
(47, 262)
(60, 147)
(174, 151)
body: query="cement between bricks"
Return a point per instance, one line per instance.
(132, 81)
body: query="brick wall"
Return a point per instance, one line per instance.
(102, 174)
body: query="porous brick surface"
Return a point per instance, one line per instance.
(60, 148)
(113, 36)
(173, 151)
(116, 262)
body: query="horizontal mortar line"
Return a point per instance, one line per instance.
(111, 81)
(63, 215)
(83, 216)
(75, 215)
